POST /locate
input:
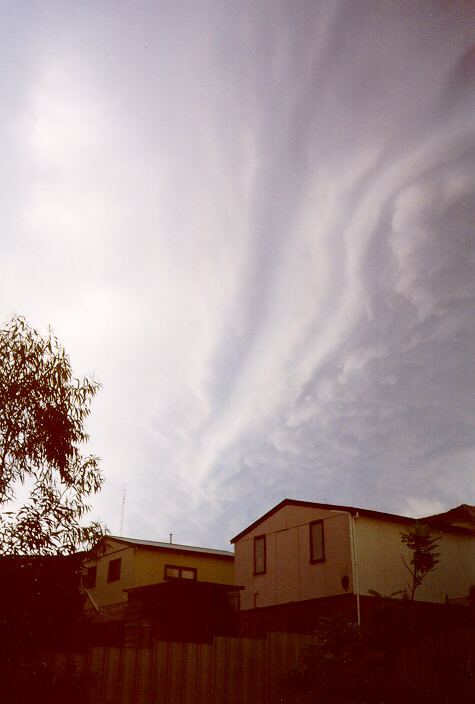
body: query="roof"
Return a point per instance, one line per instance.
(173, 547)
(378, 515)
(461, 516)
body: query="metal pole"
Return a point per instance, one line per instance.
(122, 511)
(357, 581)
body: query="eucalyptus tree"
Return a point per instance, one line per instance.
(46, 481)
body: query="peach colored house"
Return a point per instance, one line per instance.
(306, 552)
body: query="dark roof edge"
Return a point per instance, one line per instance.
(291, 502)
(221, 586)
(381, 515)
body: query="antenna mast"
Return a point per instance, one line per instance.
(122, 511)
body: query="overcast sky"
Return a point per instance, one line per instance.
(251, 221)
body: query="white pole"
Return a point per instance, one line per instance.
(356, 574)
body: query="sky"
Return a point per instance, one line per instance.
(250, 221)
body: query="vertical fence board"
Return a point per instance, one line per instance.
(275, 645)
(161, 672)
(127, 676)
(258, 670)
(236, 662)
(247, 682)
(205, 674)
(95, 662)
(217, 669)
(176, 670)
(109, 676)
(144, 693)
(191, 655)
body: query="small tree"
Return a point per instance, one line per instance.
(424, 556)
(351, 664)
(42, 414)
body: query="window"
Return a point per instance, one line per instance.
(175, 572)
(113, 573)
(317, 543)
(89, 579)
(259, 554)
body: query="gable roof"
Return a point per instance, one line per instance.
(461, 516)
(378, 515)
(170, 547)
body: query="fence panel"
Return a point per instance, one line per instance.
(204, 673)
(143, 689)
(111, 675)
(442, 664)
(227, 671)
(251, 670)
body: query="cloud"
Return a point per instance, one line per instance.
(418, 508)
(434, 268)
(251, 222)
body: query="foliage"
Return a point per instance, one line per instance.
(40, 602)
(41, 612)
(340, 665)
(424, 556)
(49, 685)
(42, 414)
(351, 664)
(44, 683)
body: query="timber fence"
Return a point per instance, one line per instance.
(441, 665)
(227, 671)
(233, 670)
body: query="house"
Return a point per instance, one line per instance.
(139, 589)
(462, 517)
(304, 559)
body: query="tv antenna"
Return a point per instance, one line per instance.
(122, 510)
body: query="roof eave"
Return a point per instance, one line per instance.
(172, 547)
(352, 510)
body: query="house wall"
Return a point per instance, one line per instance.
(144, 566)
(105, 593)
(290, 576)
(150, 566)
(380, 567)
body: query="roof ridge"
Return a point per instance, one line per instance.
(168, 545)
(353, 510)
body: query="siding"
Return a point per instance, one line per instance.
(290, 576)
(379, 549)
(150, 565)
(142, 567)
(106, 593)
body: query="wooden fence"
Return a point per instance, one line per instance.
(226, 671)
(251, 671)
(442, 665)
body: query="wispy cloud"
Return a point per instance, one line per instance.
(252, 223)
